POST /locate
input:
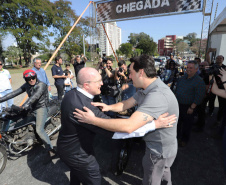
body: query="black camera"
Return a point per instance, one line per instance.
(214, 70)
(120, 70)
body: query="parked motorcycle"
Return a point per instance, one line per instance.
(18, 131)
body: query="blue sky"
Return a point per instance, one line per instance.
(156, 27)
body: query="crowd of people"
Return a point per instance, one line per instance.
(162, 108)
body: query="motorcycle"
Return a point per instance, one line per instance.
(18, 133)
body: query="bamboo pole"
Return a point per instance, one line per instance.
(110, 43)
(54, 54)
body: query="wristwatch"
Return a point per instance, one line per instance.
(224, 82)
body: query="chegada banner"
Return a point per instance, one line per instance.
(117, 10)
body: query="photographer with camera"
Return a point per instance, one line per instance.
(215, 70)
(122, 76)
(170, 75)
(108, 89)
(222, 93)
(78, 62)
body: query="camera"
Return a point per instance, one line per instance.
(120, 70)
(214, 70)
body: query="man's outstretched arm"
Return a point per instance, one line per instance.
(137, 120)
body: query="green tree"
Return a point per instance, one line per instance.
(143, 42)
(13, 54)
(182, 47)
(191, 37)
(133, 39)
(148, 46)
(63, 21)
(27, 21)
(137, 52)
(126, 49)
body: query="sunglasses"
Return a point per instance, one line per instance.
(30, 78)
(0, 64)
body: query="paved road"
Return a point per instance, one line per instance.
(200, 163)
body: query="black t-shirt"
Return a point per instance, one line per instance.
(205, 76)
(108, 83)
(78, 66)
(218, 79)
(57, 71)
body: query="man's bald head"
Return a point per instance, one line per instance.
(86, 74)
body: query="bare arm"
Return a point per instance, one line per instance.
(110, 75)
(57, 76)
(137, 120)
(10, 80)
(118, 107)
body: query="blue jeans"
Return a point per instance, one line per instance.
(109, 100)
(41, 117)
(9, 102)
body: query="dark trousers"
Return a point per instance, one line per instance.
(224, 148)
(83, 170)
(201, 113)
(212, 98)
(156, 169)
(60, 91)
(185, 123)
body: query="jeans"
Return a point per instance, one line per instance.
(109, 100)
(67, 88)
(41, 117)
(156, 169)
(9, 102)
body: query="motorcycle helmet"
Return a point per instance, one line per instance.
(29, 74)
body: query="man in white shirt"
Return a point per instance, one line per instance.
(5, 87)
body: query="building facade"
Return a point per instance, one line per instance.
(166, 45)
(114, 34)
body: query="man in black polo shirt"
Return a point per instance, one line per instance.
(59, 77)
(78, 63)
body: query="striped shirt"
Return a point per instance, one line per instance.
(190, 90)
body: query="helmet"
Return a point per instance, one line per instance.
(29, 74)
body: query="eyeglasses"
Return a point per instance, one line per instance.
(30, 78)
(97, 81)
(0, 64)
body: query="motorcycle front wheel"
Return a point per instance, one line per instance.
(3, 158)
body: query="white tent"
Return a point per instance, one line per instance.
(219, 24)
(218, 34)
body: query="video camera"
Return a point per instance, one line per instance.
(214, 70)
